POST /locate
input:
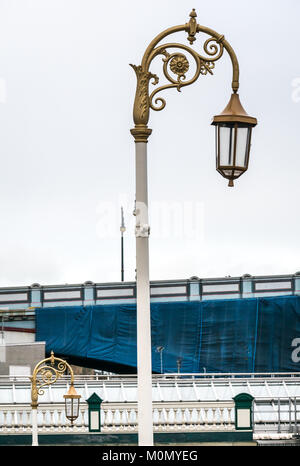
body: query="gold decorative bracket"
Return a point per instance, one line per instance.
(175, 67)
(46, 372)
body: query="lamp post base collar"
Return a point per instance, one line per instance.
(141, 133)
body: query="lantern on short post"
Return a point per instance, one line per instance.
(233, 139)
(94, 404)
(72, 400)
(243, 411)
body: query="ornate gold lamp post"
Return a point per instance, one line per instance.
(46, 372)
(233, 135)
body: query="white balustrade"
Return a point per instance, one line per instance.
(121, 417)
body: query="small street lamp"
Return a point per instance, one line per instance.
(72, 400)
(179, 362)
(94, 404)
(233, 136)
(46, 372)
(159, 350)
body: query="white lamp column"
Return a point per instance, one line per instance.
(34, 426)
(144, 362)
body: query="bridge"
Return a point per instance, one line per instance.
(259, 317)
(187, 409)
(93, 324)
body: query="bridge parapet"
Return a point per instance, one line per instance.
(192, 289)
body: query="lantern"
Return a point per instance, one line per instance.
(243, 411)
(94, 404)
(72, 400)
(233, 139)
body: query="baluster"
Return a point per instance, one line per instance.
(198, 417)
(63, 419)
(117, 420)
(52, 423)
(107, 416)
(112, 421)
(222, 420)
(28, 420)
(22, 420)
(179, 418)
(167, 415)
(204, 417)
(225, 417)
(124, 419)
(213, 417)
(8, 420)
(156, 420)
(15, 423)
(43, 424)
(132, 419)
(58, 420)
(220, 416)
(175, 419)
(161, 418)
(83, 424)
(194, 418)
(18, 420)
(171, 418)
(207, 417)
(186, 418)
(3, 426)
(108, 419)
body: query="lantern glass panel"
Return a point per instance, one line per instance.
(72, 408)
(226, 145)
(242, 146)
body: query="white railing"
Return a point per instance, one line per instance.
(182, 378)
(121, 417)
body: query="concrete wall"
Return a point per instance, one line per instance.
(20, 359)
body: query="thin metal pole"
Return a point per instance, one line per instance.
(122, 258)
(144, 360)
(290, 416)
(295, 411)
(122, 230)
(279, 420)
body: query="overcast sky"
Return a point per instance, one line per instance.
(67, 156)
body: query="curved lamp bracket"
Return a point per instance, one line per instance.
(175, 67)
(45, 373)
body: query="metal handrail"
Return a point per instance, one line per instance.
(182, 377)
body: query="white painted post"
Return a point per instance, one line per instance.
(34, 427)
(144, 363)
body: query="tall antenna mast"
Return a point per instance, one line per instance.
(122, 230)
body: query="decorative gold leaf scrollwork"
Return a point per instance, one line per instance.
(207, 67)
(175, 68)
(46, 372)
(47, 375)
(141, 107)
(214, 48)
(179, 65)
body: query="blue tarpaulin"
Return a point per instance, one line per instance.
(236, 335)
